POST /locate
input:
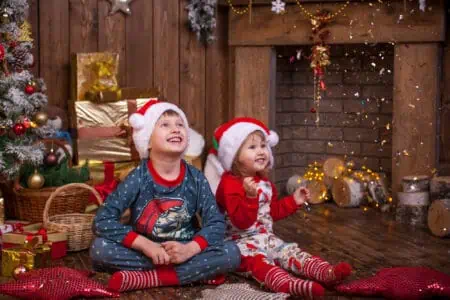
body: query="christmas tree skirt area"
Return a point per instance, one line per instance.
(368, 240)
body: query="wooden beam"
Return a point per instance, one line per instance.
(444, 152)
(192, 74)
(269, 2)
(254, 82)
(416, 94)
(166, 49)
(112, 37)
(217, 87)
(54, 50)
(360, 23)
(139, 45)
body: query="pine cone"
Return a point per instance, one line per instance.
(20, 56)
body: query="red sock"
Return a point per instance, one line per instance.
(136, 280)
(218, 280)
(278, 280)
(317, 269)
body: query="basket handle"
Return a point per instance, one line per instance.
(62, 188)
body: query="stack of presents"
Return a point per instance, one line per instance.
(101, 138)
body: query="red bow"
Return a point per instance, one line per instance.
(41, 232)
(108, 186)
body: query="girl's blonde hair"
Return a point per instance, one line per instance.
(237, 168)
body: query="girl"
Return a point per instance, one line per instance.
(240, 162)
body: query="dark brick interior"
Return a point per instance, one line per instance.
(355, 111)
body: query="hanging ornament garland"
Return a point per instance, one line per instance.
(320, 52)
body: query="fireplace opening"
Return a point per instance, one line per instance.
(355, 113)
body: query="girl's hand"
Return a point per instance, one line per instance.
(250, 187)
(179, 252)
(152, 250)
(301, 195)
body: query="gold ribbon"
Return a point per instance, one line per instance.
(105, 79)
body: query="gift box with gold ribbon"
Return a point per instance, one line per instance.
(57, 241)
(122, 93)
(30, 254)
(93, 72)
(102, 130)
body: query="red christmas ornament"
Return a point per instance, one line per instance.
(58, 283)
(29, 89)
(313, 110)
(27, 123)
(19, 129)
(408, 283)
(51, 159)
(323, 87)
(2, 52)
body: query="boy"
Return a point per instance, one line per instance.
(161, 245)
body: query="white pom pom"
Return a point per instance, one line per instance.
(273, 139)
(196, 143)
(137, 121)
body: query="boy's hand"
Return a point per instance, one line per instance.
(301, 195)
(179, 252)
(152, 250)
(250, 187)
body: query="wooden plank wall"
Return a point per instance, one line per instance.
(444, 151)
(156, 50)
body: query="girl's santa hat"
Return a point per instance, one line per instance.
(143, 123)
(227, 140)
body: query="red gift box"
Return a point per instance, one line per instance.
(56, 240)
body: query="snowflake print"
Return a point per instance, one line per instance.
(278, 6)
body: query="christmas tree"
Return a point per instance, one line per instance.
(22, 97)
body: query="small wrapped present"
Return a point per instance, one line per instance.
(103, 132)
(93, 72)
(12, 225)
(57, 241)
(123, 93)
(31, 255)
(99, 170)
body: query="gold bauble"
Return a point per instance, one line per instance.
(35, 181)
(4, 17)
(41, 118)
(19, 271)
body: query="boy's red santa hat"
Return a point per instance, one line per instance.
(144, 120)
(227, 140)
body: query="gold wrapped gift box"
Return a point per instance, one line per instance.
(97, 170)
(93, 72)
(103, 133)
(31, 255)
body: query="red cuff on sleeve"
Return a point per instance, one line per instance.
(201, 241)
(129, 239)
(292, 204)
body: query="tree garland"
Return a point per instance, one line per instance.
(202, 19)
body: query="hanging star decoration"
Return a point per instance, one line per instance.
(410, 283)
(120, 5)
(57, 283)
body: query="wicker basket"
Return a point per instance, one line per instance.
(30, 203)
(77, 225)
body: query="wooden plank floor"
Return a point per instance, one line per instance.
(367, 240)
